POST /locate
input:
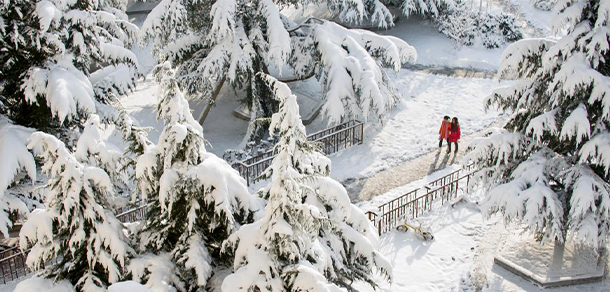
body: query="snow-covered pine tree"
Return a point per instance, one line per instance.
(310, 237)
(76, 229)
(214, 42)
(198, 200)
(549, 170)
(49, 49)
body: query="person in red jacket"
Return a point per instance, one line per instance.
(443, 133)
(454, 134)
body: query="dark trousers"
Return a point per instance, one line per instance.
(456, 146)
(440, 142)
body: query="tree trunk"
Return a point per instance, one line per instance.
(558, 251)
(207, 109)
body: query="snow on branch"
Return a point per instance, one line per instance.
(528, 198)
(597, 151)
(521, 56)
(577, 125)
(590, 205)
(354, 82)
(15, 157)
(544, 123)
(497, 149)
(65, 88)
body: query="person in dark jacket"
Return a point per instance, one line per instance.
(454, 134)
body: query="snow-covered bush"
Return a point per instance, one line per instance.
(427, 8)
(550, 169)
(48, 50)
(310, 236)
(546, 5)
(468, 27)
(197, 199)
(77, 229)
(218, 42)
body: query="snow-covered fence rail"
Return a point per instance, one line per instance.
(411, 205)
(330, 140)
(133, 215)
(9, 252)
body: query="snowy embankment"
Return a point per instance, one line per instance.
(460, 258)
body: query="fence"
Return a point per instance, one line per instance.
(411, 205)
(331, 140)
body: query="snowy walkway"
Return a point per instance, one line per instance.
(366, 188)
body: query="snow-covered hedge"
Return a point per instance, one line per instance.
(469, 27)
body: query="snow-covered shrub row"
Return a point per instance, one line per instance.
(468, 27)
(549, 170)
(217, 42)
(459, 21)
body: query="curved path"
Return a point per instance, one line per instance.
(361, 189)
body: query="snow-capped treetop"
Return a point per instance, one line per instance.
(93, 149)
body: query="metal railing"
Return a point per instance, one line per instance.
(331, 140)
(411, 205)
(13, 267)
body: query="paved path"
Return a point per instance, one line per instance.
(362, 189)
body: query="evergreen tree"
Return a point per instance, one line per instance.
(76, 229)
(213, 42)
(310, 237)
(549, 170)
(61, 61)
(198, 200)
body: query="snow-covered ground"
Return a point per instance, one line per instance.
(412, 128)
(462, 250)
(435, 49)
